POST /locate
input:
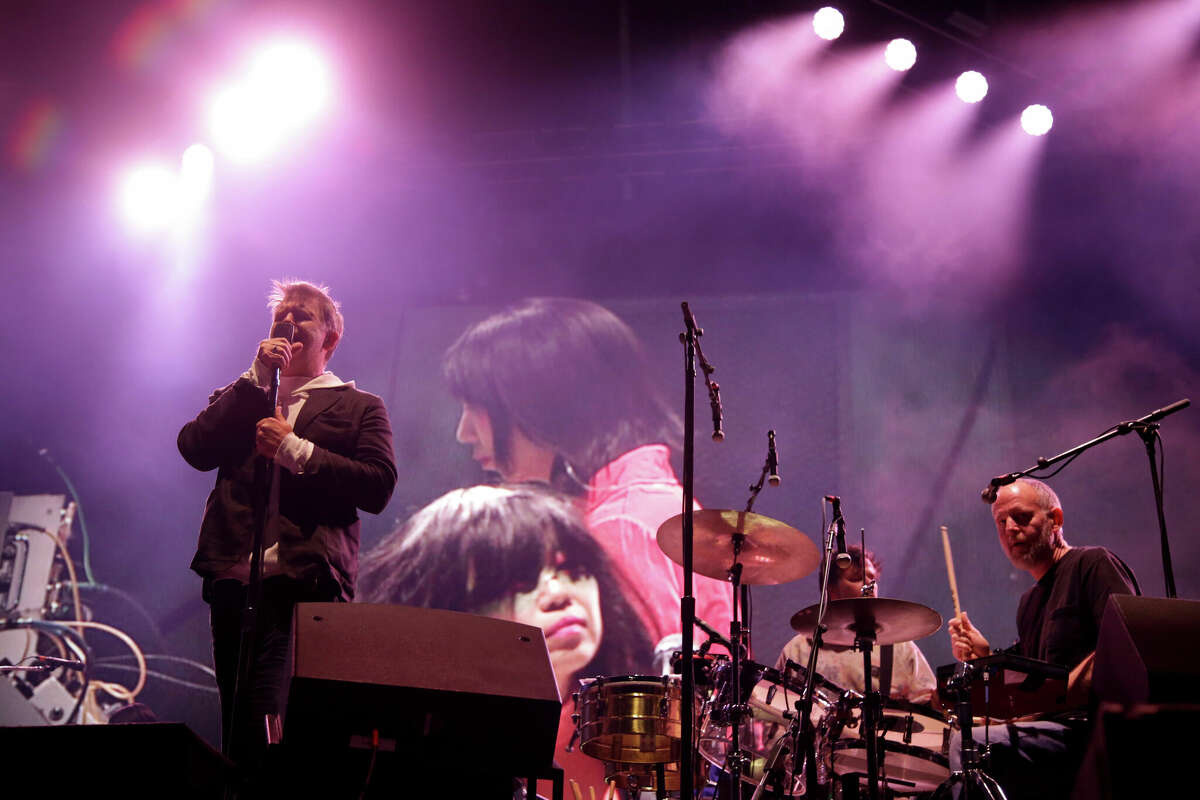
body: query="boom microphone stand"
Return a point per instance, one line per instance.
(687, 604)
(1147, 428)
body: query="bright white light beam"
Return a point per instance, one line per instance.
(971, 87)
(1036, 120)
(900, 55)
(147, 197)
(286, 87)
(828, 23)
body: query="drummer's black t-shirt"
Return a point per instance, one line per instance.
(1058, 619)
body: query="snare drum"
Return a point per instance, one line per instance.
(771, 700)
(914, 756)
(632, 719)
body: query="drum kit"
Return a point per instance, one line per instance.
(759, 727)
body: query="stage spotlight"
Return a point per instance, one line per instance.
(900, 55)
(1037, 120)
(286, 87)
(971, 87)
(148, 197)
(828, 23)
(196, 169)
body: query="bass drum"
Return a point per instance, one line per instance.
(771, 699)
(915, 748)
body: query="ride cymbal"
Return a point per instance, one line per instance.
(881, 619)
(769, 551)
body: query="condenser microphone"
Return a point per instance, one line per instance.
(843, 557)
(772, 460)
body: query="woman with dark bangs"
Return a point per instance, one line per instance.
(519, 553)
(558, 391)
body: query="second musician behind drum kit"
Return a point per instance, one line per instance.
(756, 734)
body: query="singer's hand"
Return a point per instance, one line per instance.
(275, 353)
(965, 639)
(269, 433)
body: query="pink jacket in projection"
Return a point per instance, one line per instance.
(628, 499)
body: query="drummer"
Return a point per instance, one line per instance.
(900, 672)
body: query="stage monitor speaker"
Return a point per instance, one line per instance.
(1139, 752)
(146, 760)
(445, 689)
(1146, 651)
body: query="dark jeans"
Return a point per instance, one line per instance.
(1030, 760)
(267, 692)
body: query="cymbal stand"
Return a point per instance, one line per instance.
(974, 781)
(872, 712)
(737, 708)
(801, 735)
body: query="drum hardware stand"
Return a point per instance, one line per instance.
(872, 713)
(801, 736)
(975, 782)
(1147, 428)
(690, 338)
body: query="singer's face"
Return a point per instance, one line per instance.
(849, 583)
(565, 604)
(308, 355)
(1027, 531)
(526, 461)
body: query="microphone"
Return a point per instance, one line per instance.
(988, 495)
(772, 460)
(714, 634)
(714, 397)
(279, 330)
(843, 558)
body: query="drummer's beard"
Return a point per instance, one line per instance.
(1040, 550)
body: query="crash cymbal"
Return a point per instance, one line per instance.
(771, 551)
(892, 621)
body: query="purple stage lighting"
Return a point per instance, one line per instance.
(148, 196)
(900, 55)
(286, 87)
(971, 87)
(828, 23)
(1036, 120)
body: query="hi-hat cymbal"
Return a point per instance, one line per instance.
(771, 551)
(884, 620)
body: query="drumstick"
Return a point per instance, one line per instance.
(575, 789)
(592, 792)
(611, 793)
(950, 569)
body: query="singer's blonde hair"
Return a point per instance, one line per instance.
(331, 310)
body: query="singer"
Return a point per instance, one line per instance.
(331, 450)
(558, 391)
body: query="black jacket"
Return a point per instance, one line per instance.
(351, 468)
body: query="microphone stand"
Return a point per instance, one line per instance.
(690, 338)
(1147, 428)
(266, 510)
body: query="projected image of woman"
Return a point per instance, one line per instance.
(519, 553)
(558, 391)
